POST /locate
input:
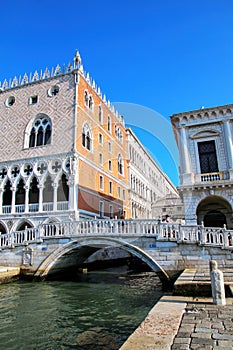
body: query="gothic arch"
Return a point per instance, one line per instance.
(7, 192)
(87, 137)
(3, 228)
(48, 189)
(22, 224)
(33, 190)
(63, 189)
(20, 191)
(43, 128)
(52, 220)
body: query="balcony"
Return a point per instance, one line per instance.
(212, 177)
(34, 207)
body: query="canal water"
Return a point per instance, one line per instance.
(95, 311)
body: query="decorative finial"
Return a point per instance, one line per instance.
(77, 60)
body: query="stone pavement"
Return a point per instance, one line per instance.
(181, 322)
(205, 326)
(184, 323)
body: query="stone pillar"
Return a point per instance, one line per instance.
(41, 187)
(1, 196)
(54, 196)
(26, 199)
(13, 200)
(229, 146)
(217, 284)
(186, 174)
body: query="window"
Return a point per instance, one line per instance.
(120, 165)
(123, 193)
(101, 209)
(101, 158)
(10, 101)
(110, 165)
(109, 124)
(111, 215)
(208, 157)
(109, 147)
(101, 182)
(53, 91)
(86, 98)
(118, 133)
(119, 192)
(100, 114)
(41, 132)
(90, 103)
(110, 187)
(33, 100)
(100, 139)
(86, 137)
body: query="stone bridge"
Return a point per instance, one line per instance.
(166, 248)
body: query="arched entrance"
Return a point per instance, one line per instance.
(214, 218)
(215, 211)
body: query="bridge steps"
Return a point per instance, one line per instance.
(196, 282)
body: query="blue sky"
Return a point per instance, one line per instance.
(168, 56)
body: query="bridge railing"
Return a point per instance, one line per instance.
(197, 234)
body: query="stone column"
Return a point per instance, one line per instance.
(1, 196)
(26, 199)
(217, 284)
(13, 200)
(186, 174)
(41, 187)
(229, 146)
(54, 196)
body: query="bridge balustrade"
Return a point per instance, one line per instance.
(139, 228)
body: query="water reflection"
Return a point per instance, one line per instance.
(98, 310)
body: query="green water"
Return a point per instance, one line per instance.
(97, 311)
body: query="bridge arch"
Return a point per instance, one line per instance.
(83, 247)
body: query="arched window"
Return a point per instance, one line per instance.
(7, 194)
(120, 165)
(20, 193)
(109, 124)
(91, 103)
(86, 98)
(63, 189)
(100, 114)
(41, 132)
(48, 190)
(86, 137)
(34, 191)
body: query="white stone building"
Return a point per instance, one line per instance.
(147, 182)
(205, 143)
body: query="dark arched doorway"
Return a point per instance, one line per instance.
(215, 211)
(214, 218)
